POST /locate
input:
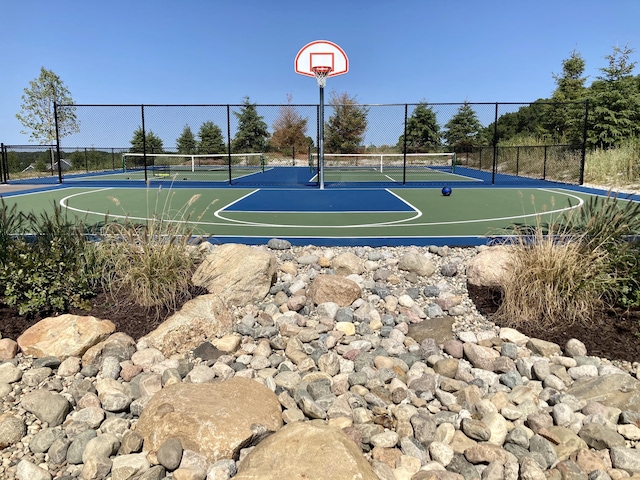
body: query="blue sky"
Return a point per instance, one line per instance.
(217, 52)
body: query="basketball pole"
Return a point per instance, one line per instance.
(321, 139)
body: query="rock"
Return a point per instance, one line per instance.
(543, 348)
(279, 244)
(170, 454)
(64, 336)
(28, 471)
(347, 264)
(46, 406)
(237, 274)
(9, 373)
(305, 450)
(627, 459)
(416, 263)
(201, 318)
(12, 429)
(618, 390)
(8, 349)
(126, 467)
(440, 329)
(333, 288)
(218, 420)
(490, 268)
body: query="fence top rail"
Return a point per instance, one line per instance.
(536, 102)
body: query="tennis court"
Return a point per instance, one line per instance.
(337, 216)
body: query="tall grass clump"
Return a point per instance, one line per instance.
(150, 264)
(554, 281)
(46, 264)
(565, 270)
(619, 166)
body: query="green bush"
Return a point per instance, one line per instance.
(47, 265)
(612, 224)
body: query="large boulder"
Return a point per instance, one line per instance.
(306, 450)
(214, 419)
(64, 336)
(202, 318)
(491, 267)
(238, 274)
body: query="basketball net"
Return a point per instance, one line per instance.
(321, 74)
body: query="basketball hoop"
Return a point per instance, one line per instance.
(321, 73)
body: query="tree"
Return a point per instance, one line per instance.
(37, 110)
(210, 139)
(186, 142)
(345, 129)
(153, 142)
(615, 100)
(463, 129)
(253, 133)
(423, 131)
(565, 120)
(289, 129)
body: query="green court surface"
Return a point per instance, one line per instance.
(370, 217)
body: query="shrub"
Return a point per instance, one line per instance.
(612, 224)
(47, 265)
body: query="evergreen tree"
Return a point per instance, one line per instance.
(423, 131)
(289, 129)
(186, 142)
(615, 102)
(153, 142)
(345, 129)
(253, 133)
(565, 120)
(463, 130)
(210, 139)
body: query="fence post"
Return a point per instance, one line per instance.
(229, 141)
(144, 144)
(3, 174)
(55, 120)
(584, 140)
(495, 147)
(544, 165)
(404, 147)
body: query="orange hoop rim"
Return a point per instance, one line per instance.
(321, 70)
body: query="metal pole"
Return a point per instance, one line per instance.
(321, 139)
(404, 146)
(495, 147)
(55, 117)
(229, 140)
(3, 175)
(144, 145)
(584, 141)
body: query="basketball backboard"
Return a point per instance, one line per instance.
(321, 54)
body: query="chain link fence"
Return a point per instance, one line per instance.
(263, 145)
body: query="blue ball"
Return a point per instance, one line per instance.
(446, 191)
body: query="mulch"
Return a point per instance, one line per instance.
(614, 334)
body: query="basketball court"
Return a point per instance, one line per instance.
(352, 216)
(336, 199)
